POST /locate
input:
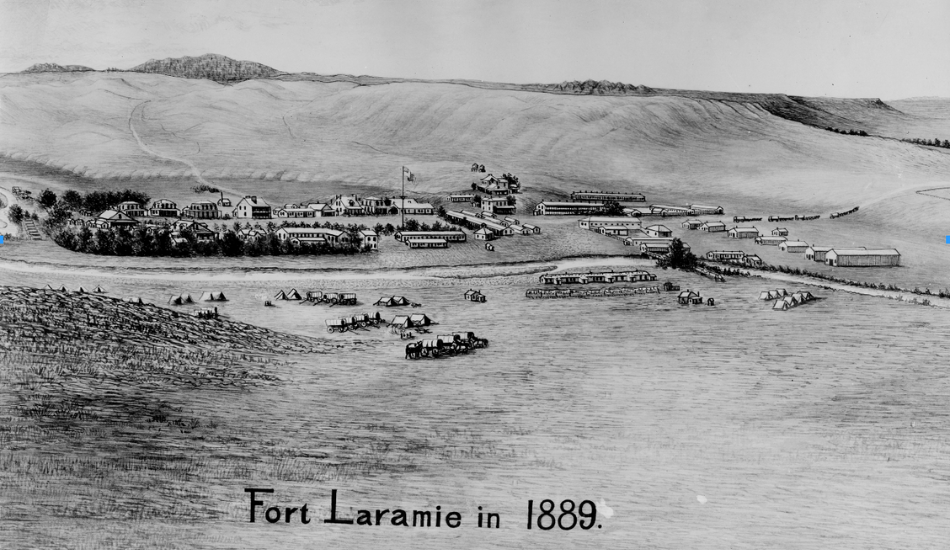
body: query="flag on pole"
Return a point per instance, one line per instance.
(407, 174)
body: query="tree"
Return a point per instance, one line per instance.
(441, 212)
(613, 208)
(72, 199)
(47, 198)
(678, 257)
(15, 212)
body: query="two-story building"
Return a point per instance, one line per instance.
(164, 208)
(252, 207)
(201, 210)
(131, 208)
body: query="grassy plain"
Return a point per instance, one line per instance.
(795, 428)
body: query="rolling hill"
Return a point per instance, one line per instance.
(292, 137)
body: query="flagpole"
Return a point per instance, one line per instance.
(403, 197)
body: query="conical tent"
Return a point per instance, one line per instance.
(765, 295)
(780, 304)
(81, 290)
(206, 297)
(293, 295)
(280, 296)
(174, 300)
(48, 287)
(783, 292)
(99, 289)
(63, 288)
(187, 299)
(219, 297)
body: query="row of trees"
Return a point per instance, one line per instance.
(17, 214)
(945, 144)
(91, 203)
(141, 242)
(847, 132)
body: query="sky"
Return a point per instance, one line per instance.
(840, 48)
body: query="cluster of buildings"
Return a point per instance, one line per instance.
(653, 239)
(665, 210)
(835, 257)
(252, 207)
(489, 226)
(497, 187)
(114, 219)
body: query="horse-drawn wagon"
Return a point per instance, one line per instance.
(445, 344)
(338, 325)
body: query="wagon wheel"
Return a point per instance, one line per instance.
(330, 330)
(435, 353)
(334, 301)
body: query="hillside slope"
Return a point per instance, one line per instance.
(295, 140)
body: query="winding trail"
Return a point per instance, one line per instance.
(145, 148)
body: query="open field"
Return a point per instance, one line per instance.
(810, 435)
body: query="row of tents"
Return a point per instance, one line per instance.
(182, 299)
(793, 300)
(773, 294)
(395, 301)
(291, 295)
(80, 290)
(411, 321)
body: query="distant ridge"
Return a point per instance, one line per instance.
(210, 66)
(54, 68)
(602, 87)
(814, 111)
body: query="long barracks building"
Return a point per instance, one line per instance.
(606, 196)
